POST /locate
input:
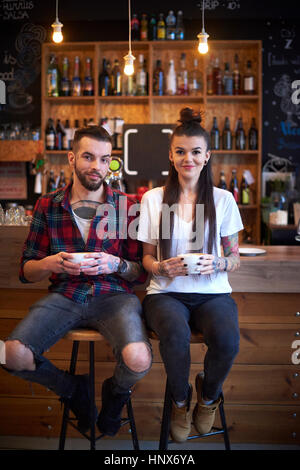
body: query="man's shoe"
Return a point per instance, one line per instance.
(181, 417)
(109, 419)
(204, 415)
(80, 403)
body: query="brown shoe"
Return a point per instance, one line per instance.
(181, 418)
(204, 415)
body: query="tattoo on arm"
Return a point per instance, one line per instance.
(133, 271)
(231, 252)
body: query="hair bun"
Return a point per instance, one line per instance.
(188, 115)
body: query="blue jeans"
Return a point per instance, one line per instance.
(172, 315)
(116, 316)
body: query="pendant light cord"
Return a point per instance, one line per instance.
(57, 9)
(202, 15)
(129, 20)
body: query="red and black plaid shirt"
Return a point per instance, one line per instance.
(53, 229)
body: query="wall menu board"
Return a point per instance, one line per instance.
(281, 107)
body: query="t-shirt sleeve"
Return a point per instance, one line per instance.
(148, 226)
(231, 221)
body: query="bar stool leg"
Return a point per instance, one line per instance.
(134, 437)
(224, 426)
(92, 394)
(62, 437)
(165, 425)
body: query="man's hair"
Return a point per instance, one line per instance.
(94, 132)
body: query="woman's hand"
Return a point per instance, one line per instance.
(60, 263)
(171, 267)
(210, 264)
(103, 263)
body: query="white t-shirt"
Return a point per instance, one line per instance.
(83, 225)
(228, 222)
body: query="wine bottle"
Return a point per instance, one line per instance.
(51, 184)
(60, 132)
(234, 186)
(50, 135)
(195, 85)
(249, 80)
(65, 89)
(158, 80)
(144, 27)
(182, 77)
(61, 182)
(253, 136)
(215, 135)
(141, 78)
(76, 81)
(179, 31)
(227, 136)
(171, 79)
(171, 24)
(240, 138)
(116, 83)
(245, 190)
(66, 142)
(152, 30)
(217, 78)
(236, 76)
(104, 80)
(227, 80)
(222, 182)
(53, 77)
(135, 28)
(88, 88)
(161, 28)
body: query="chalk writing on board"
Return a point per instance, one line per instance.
(214, 4)
(15, 10)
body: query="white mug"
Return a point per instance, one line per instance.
(192, 260)
(80, 257)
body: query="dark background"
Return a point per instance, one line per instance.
(24, 25)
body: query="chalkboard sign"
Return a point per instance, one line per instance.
(281, 113)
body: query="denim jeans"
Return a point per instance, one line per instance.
(116, 316)
(172, 315)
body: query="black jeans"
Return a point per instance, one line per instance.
(172, 315)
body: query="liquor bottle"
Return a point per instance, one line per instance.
(144, 28)
(236, 76)
(66, 142)
(234, 186)
(158, 80)
(226, 136)
(171, 25)
(161, 28)
(109, 71)
(60, 132)
(249, 80)
(240, 138)
(65, 89)
(171, 79)
(215, 135)
(253, 136)
(152, 30)
(209, 78)
(53, 77)
(129, 85)
(135, 28)
(76, 82)
(50, 135)
(104, 80)
(245, 190)
(141, 78)
(195, 85)
(51, 184)
(222, 182)
(88, 88)
(179, 31)
(61, 181)
(116, 79)
(182, 77)
(227, 80)
(217, 78)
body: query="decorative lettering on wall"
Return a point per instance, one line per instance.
(15, 10)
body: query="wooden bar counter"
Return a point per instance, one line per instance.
(262, 391)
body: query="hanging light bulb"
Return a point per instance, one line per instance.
(129, 58)
(203, 36)
(57, 35)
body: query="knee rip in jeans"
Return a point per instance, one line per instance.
(135, 363)
(20, 351)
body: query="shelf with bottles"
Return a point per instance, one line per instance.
(70, 99)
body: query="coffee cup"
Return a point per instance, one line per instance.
(192, 260)
(80, 258)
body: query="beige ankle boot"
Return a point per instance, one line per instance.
(181, 418)
(204, 415)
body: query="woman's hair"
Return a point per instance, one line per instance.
(190, 126)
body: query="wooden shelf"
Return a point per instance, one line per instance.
(232, 97)
(70, 99)
(178, 98)
(65, 152)
(235, 152)
(121, 99)
(19, 150)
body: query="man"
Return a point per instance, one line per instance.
(96, 293)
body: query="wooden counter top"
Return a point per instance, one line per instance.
(277, 271)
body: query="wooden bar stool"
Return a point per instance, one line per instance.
(196, 337)
(91, 336)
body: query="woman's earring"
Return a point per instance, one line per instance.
(205, 162)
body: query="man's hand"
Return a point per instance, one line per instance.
(60, 263)
(102, 264)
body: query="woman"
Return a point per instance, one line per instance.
(175, 301)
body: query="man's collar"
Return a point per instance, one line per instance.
(64, 195)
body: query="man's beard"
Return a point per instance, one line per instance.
(89, 185)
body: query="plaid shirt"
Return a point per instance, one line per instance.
(53, 229)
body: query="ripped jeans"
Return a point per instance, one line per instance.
(117, 316)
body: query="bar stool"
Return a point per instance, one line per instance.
(91, 336)
(196, 337)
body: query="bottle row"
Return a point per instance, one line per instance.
(241, 194)
(19, 131)
(55, 183)
(59, 84)
(60, 136)
(227, 82)
(226, 140)
(152, 29)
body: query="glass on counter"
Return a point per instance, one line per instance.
(18, 131)
(14, 215)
